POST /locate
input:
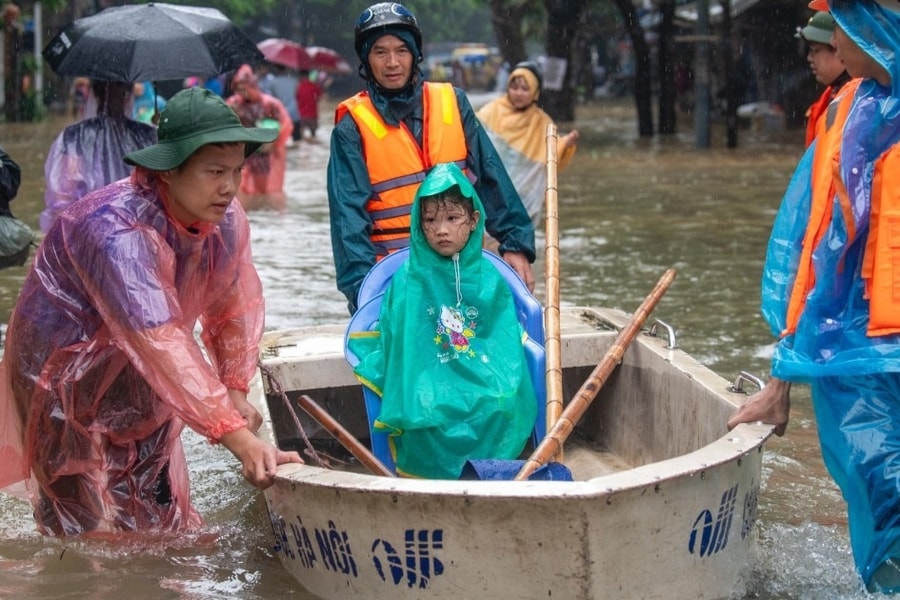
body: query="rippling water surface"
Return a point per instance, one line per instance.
(629, 209)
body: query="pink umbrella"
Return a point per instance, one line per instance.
(287, 53)
(327, 59)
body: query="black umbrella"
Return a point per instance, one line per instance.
(150, 42)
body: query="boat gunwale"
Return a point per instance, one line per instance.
(730, 447)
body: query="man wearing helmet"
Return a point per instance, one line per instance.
(388, 137)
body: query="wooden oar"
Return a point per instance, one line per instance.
(553, 441)
(552, 341)
(344, 437)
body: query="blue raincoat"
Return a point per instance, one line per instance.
(448, 357)
(855, 377)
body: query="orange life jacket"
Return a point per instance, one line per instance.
(881, 261)
(397, 164)
(826, 183)
(815, 113)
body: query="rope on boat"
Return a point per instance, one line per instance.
(276, 388)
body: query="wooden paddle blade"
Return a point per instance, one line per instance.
(556, 437)
(344, 437)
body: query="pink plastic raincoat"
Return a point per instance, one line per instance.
(101, 368)
(264, 171)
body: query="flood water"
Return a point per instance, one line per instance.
(629, 209)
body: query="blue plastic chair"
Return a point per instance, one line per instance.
(530, 314)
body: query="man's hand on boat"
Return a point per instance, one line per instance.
(771, 404)
(259, 459)
(519, 262)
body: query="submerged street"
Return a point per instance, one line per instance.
(629, 209)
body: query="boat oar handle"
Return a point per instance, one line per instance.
(559, 433)
(344, 437)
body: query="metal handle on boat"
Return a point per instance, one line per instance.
(738, 384)
(671, 331)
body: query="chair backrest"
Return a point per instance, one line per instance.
(528, 309)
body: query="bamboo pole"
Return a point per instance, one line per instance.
(344, 437)
(553, 441)
(552, 342)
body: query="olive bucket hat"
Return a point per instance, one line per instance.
(193, 118)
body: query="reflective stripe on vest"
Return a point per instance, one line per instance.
(825, 184)
(395, 162)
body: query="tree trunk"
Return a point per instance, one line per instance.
(643, 91)
(507, 18)
(666, 68)
(563, 23)
(731, 75)
(12, 80)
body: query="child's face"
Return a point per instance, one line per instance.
(447, 226)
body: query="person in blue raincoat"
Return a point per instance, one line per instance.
(828, 288)
(447, 357)
(101, 370)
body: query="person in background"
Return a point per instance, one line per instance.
(384, 143)
(283, 86)
(81, 90)
(147, 103)
(101, 369)
(447, 356)
(10, 178)
(826, 66)
(828, 289)
(90, 154)
(16, 238)
(309, 92)
(263, 182)
(518, 128)
(213, 84)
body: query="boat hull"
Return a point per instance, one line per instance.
(673, 516)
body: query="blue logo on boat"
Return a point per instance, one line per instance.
(417, 565)
(709, 534)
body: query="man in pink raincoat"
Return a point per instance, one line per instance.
(101, 369)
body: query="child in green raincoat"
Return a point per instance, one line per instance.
(447, 357)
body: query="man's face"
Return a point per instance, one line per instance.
(205, 185)
(391, 62)
(824, 62)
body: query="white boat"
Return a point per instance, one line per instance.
(663, 504)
